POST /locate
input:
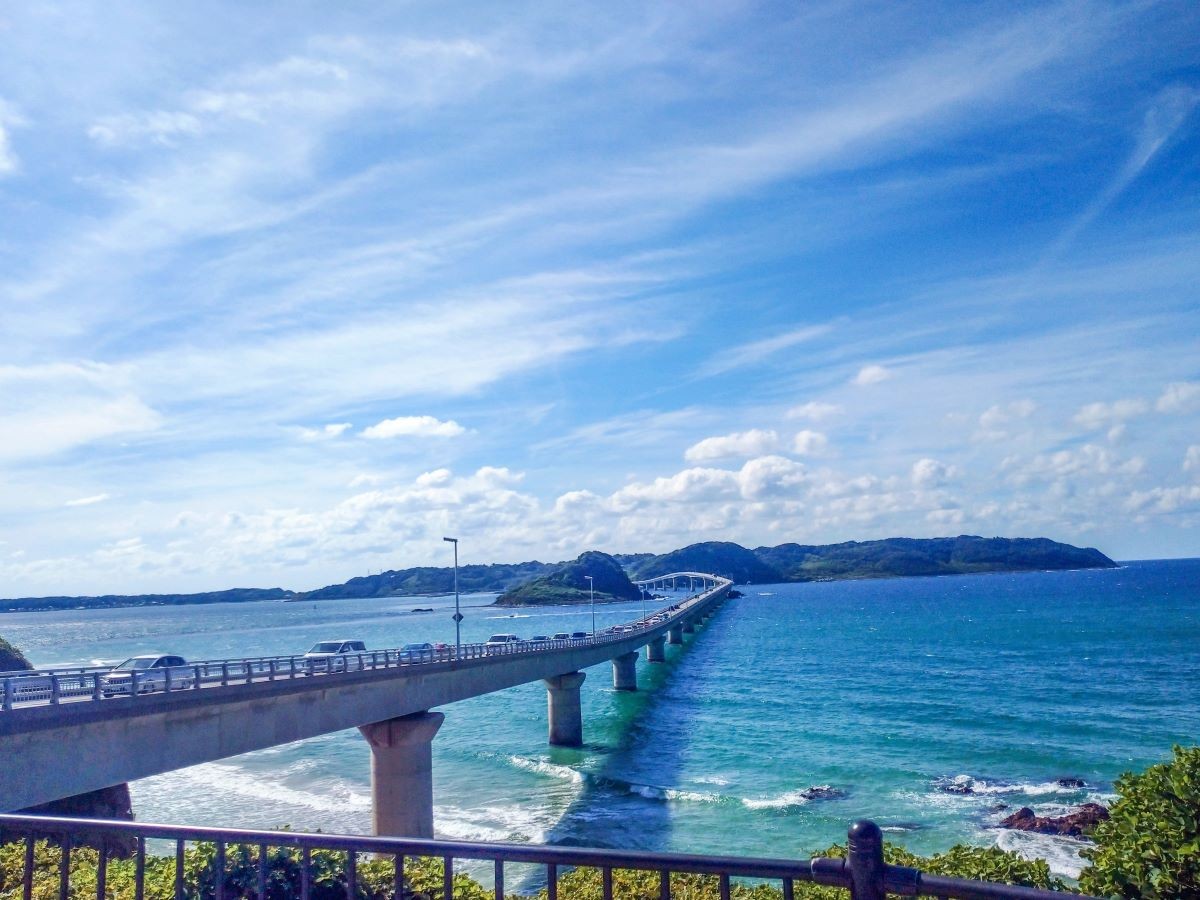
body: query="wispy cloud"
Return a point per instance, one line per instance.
(413, 426)
(87, 501)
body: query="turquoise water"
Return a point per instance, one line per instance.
(878, 694)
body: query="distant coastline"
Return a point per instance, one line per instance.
(852, 560)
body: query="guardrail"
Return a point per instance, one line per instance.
(863, 872)
(96, 683)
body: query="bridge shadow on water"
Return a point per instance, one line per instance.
(626, 801)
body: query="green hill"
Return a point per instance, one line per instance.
(425, 580)
(732, 561)
(897, 557)
(12, 659)
(569, 584)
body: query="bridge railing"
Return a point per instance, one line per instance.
(96, 683)
(244, 864)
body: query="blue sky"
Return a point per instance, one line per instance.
(290, 291)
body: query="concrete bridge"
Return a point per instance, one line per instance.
(60, 736)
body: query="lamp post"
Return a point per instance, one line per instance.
(592, 595)
(643, 588)
(457, 615)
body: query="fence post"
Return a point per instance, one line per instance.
(864, 859)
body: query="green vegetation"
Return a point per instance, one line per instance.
(569, 584)
(233, 595)
(12, 659)
(1150, 847)
(423, 876)
(425, 580)
(962, 555)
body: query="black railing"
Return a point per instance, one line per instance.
(863, 872)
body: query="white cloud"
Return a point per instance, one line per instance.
(1088, 460)
(754, 442)
(1100, 415)
(52, 408)
(929, 473)
(814, 410)
(8, 157)
(326, 432)
(413, 426)
(1163, 499)
(1191, 459)
(809, 443)
(758, 351)
(995, 422)
(1179, 397)
(872, 374)
(87, 501)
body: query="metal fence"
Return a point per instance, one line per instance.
(95, 683)
(863, 872)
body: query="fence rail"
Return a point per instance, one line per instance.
(95, 683)
(863, 872)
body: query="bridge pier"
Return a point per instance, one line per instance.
(625, 671)
(675, 634)
(656, 650)
(689, 627)
(402, 774)
(566, 714)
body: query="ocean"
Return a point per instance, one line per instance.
(935, 706)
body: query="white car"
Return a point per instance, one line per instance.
(498, 643)
(152, 673)
(335, 656)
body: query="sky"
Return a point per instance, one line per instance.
(291, 291)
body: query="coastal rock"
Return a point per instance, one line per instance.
(821, 792)
(1074, 824)
(1070, 782)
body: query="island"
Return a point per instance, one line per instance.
(531, 583)
(570, 584)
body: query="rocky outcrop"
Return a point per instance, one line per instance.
(1074, 824)
(107, 803)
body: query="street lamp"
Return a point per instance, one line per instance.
(643, 588)
(457, 615)
(592, 595)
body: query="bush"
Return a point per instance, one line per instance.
(1150, 846)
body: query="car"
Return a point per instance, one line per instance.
(417, 652)
(579, 635)
(152, 672)
(561, 636)
(539, 638)
(335, 656)
(500, 642)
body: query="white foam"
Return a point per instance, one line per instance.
(711, 779)
(335, 795)
(651, 792)
(791, 798)
(494, 823)
(982, 787)
(1060, 853)
(544, 767)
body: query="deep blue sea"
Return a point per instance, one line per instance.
(879, 694)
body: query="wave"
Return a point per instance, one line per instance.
(332, 795)
(795, 798)
(967, 785)
(543, 767)
(1060, 853)
(677, 795)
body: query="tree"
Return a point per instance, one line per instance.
(1150, 846)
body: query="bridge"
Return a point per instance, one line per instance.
(71, 738)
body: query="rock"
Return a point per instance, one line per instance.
(999, 807)
(958, 787)
(822, 792)
(1074, 824)
(1070, 782)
